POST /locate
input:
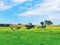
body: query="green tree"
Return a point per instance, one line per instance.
(19, 23)
(30, 23)
(42, 23)
(48, 22)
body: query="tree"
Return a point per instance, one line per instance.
(48, 22)
(30, 23)
(42, 23)
(19, 23)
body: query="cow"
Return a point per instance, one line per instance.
(29, 26)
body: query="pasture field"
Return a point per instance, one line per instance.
(41, 36)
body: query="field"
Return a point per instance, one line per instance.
(41, 36)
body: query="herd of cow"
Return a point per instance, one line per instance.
(27, 26)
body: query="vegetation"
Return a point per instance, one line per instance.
(34, 36)
(48, 22)
(42, 23)
(29, 35)
(19, 23)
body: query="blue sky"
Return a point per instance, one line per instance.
(26, 11)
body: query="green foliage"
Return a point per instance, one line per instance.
(19, 23)
(42, 23)
(30, 23)
(30, 37)
(48, 22)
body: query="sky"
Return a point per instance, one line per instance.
(29, 11)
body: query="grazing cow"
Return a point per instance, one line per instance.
(32, 26)
(29, 26)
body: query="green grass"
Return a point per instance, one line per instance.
(29, 37)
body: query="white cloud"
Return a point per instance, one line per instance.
(53, 17)
(46, 8)
(3, 6)
(18, 1)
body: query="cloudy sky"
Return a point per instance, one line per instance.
(26, 11)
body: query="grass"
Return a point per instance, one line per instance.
(48, 36)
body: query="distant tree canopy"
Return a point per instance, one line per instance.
(42, 23)
(19, 23)
(4, 25)
(30, 23)
(48, 22)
